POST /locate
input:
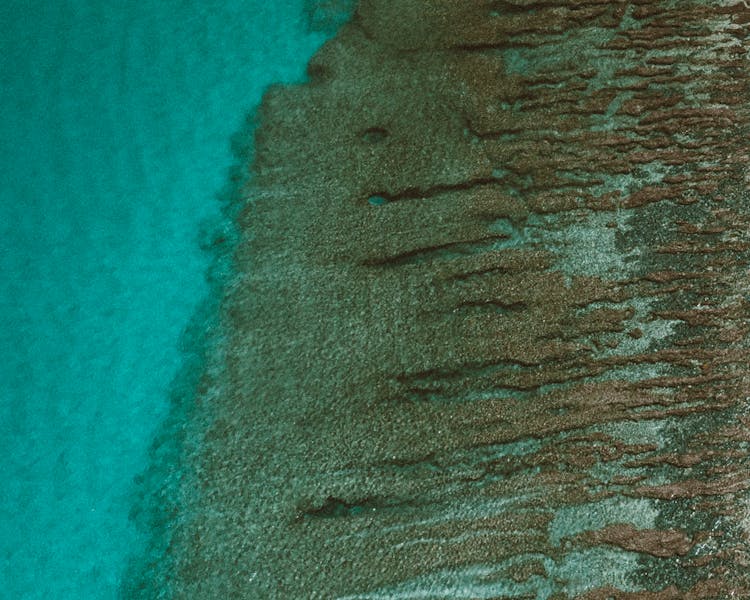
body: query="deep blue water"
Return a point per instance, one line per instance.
(115, 126)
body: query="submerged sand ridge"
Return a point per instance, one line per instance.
(488, 334)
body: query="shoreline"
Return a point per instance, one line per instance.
(166, 496)
(162, 495)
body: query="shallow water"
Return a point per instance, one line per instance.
(469, 350)
(115, 127)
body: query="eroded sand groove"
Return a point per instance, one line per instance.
(488, 338)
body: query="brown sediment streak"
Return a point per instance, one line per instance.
(655, 542)
(488, 335)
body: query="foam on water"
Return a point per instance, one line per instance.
(115, 127)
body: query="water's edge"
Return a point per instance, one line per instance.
(165, 487)
(159, 486)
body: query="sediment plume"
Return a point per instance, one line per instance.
(488, 335)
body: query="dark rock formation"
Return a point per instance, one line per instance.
(488, 334)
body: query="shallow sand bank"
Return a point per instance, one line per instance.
(488, 334)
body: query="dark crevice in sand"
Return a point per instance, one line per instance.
(423, 194)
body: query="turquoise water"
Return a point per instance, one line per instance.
(115, 127)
